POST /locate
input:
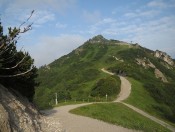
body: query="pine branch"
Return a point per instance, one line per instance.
(20, 74)
(15, 65)
(7, 59)
(3, 51)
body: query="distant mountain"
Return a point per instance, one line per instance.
(78, 75)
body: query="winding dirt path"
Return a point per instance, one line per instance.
(125, 90)
(105, 71)
(75, 123)
(125, 87)
(124, 94)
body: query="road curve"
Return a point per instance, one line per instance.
(125, 90)
(76, 123)
(124, 94)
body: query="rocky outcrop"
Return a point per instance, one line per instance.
(78, 50)
(136, 45)
(98, 39)
(164, 56)
(19, 115)
(4, 123)
(117, 59)
(145, 63)
(160, 75)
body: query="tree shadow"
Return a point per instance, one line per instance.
(48, 112)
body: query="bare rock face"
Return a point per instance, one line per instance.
(164, 56)
(145, 63)
(160, 75)
(19, 115)
(4, 123)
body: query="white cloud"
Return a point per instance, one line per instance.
(157, 34)
(101, 25)
(113, 12)
(110, 31)
(41, 17)
(50, 48)
(154, 33)
(60, 25)
(57, 5)
(92, 17)
(161, 4)
(106, 21)
(139, 13)
(157, 3)
(15, 12)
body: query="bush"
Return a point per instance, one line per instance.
(109, 86)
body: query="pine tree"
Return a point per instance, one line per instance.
(17, 71)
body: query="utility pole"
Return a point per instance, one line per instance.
(106, 97)
(56, 101)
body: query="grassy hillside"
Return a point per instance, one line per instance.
(149, 103)
(78, 76)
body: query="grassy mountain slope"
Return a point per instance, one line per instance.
(78, 76)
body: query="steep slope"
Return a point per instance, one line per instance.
(17, 114)
(78, 75)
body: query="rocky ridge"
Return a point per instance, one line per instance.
(164, 56)
(98, 39)
(146, 63)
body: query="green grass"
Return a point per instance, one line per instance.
(142, 99)
(73, 77)
(76, 74)
(119, 114)
(139, 96)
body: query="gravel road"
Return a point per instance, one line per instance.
(125, 90)
(76, 123)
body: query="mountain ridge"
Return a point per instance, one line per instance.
(78, 75)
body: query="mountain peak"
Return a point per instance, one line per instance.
(98, 39)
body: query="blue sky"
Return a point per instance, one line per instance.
(62, 25)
